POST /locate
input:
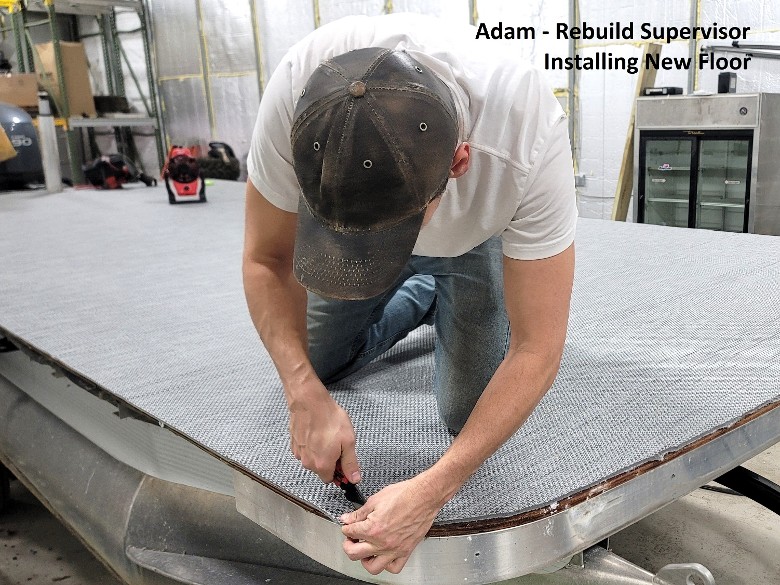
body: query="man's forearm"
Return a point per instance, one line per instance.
(321, 432)
(516, 388)
(537, 295)
(277, 305)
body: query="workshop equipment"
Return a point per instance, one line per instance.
(183, 171)
(220, 163)
(708, 162)
(26, 167)
(114, 170)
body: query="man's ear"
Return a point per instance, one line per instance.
(460, 162)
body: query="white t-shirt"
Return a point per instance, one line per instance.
(520, 182)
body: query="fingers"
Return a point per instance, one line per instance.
(349, 461)
(296, 450)
(359, 550)
(397, 565)
(376, 565)
(349, 529)
(321, 467)
(320, 436)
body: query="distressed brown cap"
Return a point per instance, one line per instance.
(372, 141)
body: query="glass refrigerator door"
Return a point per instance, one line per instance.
(722, 184)
(667, 179)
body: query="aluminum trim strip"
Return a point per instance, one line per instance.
(151, 449)
(488, 557)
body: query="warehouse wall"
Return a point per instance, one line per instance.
(606, 97)
(213, 57)
(216, 39)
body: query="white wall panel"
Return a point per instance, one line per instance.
(236, 100)
(331, 10)
(176, 37)
(88, 26)
(89, 31)
(592, 207)
(127, 25)
(540, 14)
(655, 12)
(733, 13)
(606, 98)
(763, 16)
(230, 43)
(186, 111)
(674, 77)
(456, 11)
(281, 25)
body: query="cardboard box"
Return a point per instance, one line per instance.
(75, 71)
(19, 89)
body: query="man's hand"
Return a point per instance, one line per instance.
(383, 533)
(321, 433)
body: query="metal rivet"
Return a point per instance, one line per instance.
(357, 89)
(316, 146)
(423, 126)
(303, 92)
(367, 164)
(419, 69)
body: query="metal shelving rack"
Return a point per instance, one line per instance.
(113, 53)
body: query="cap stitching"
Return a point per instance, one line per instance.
(379, 59)
(304, 116)
(342, 229)
(389, 137)
(347, 120)
(423, 91)
(335, 68)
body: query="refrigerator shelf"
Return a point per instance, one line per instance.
(719, 204)
(667, 200)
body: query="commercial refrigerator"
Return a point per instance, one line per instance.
(710, 162)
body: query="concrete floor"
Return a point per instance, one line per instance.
(738, 540)
(735, 538)
(35, 549)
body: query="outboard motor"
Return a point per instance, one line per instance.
(26, 167)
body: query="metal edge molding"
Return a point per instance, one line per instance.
(479, 552)
(150, 448)
(487, 557)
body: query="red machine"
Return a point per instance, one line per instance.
(183, 171)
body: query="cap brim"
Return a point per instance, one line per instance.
(351, 266)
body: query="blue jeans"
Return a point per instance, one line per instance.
(462, 297)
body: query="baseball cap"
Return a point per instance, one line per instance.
(373, 138)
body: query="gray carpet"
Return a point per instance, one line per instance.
(673, 333)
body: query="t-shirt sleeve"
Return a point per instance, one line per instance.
(269, 163)
(546, 218)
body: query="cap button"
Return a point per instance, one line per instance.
(357, 89)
